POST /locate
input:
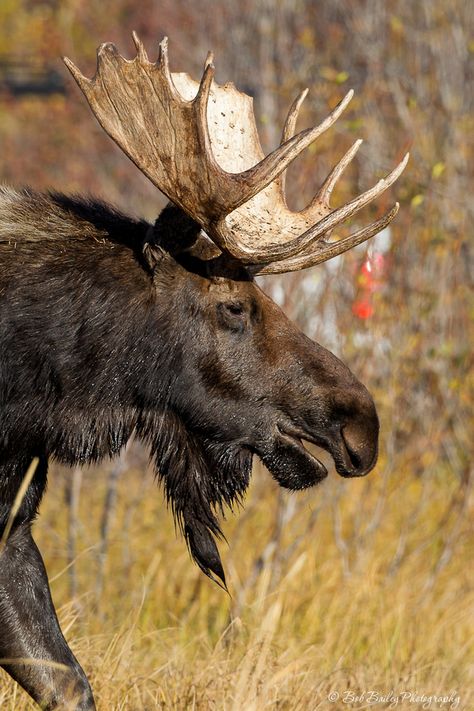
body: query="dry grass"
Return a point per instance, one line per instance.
(359, 586)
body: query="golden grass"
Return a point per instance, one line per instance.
(354, 587)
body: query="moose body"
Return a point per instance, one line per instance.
(110, 326)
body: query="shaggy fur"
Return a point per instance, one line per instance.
(83, 364)
(110, 326)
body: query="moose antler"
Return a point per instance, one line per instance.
(198, 143)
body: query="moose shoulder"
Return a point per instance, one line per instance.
(110, 326)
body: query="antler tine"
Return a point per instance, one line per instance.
(202, 97)
(83, 82)
(289, 129)
(141, 51)
(323, 195)
(200, 103)
(328, 250)
(162, 60)
(290, 123)
(209, 59)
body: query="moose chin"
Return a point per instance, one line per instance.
(112, 327)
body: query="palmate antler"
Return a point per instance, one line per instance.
(198, 143)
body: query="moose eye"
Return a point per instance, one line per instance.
(235, 309)
(232, 316)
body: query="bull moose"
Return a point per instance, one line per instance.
(110, 326)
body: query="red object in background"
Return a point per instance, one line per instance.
(362, 308)
(369, 279)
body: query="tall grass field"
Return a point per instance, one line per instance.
(353, 595)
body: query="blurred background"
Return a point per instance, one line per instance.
(355, 586)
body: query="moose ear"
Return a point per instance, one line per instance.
(174, 230)
(172, 233)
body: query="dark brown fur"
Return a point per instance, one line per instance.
(108, 327)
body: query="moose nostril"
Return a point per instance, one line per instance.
(355, 458)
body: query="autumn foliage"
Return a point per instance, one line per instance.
(356, 585)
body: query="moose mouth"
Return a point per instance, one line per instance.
(295, 467)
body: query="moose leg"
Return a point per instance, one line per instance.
(32, 647)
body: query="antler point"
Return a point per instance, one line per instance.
(139, 46)
(209, 59)
(163, 51)
(81, 80)
(107, 47)
(348, 98)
